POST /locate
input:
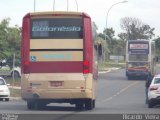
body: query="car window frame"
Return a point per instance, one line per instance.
(3, 81)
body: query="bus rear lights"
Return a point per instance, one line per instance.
(86, 63)
(85, 67)
(85, 71)
(26, 63)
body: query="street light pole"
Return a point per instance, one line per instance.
(34, 5)
(107, 18)
(54, 5)
(76, 4)
(108, 13)
(67, 5)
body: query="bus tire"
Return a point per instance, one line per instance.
(79, 106)
(30, 105)
(93, 103)
(129, 77)
(40, 105)
(150, 104)
(89, 104)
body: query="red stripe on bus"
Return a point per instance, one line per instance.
(55, 67)
(25, 44)
(88, 43)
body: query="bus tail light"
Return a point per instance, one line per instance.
(85, 67)
(26, 63)
(26, 67)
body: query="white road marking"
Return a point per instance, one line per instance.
(120, 92)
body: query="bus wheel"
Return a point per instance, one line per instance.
(150, 104)
(129, 77)
(79, 106)
(40, 106)
(30, 105)
(89, 104)
(93, 103)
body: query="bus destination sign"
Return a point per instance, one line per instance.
(138, 48)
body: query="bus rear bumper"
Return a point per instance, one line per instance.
(58, 96)
(137, 73)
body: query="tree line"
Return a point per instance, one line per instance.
(10, 38)
(133, 29)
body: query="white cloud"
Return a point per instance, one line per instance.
(145, 10)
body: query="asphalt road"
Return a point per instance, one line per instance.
(116, 95)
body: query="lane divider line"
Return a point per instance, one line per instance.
(121, 91)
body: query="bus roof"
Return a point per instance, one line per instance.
(139, 40)
(56, 13)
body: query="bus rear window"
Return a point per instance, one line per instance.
(138, 48)
(138, 57)
(56, 28)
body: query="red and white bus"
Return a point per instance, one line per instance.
(58, 59)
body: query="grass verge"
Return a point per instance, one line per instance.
(105, 65)
(15, 92)
(14, 82)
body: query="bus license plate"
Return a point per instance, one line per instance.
(56, 83)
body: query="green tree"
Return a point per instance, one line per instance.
(9, 42)
(135, 29)
(3, 36)
(157, 42)
(110, 34)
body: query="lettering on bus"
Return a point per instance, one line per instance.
(44, 57)
(56, 28)
(56, 56)
(138, 48)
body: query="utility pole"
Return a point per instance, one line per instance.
(13, 80)
(34, 5)
(54, 5)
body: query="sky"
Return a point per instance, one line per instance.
(145, 10)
